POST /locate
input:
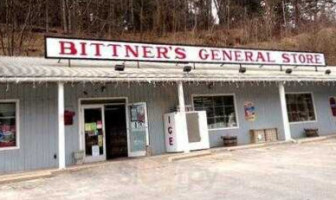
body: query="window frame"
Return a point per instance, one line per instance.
(17, 121)
(216, 95)
(313, 102)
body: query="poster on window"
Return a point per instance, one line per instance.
(332, 101)
(249, 111)
(7, 135)
(138, 116)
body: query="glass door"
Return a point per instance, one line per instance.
(138, 129)
(94, 133)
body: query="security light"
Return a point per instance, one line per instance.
(187, 68)
(119, 67)
(242, 70)
(328, 71)
(289, 71)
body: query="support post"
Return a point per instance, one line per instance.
(284, 112)
(61, 131)
(183, 114)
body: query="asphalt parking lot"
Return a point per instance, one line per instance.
(290, 171)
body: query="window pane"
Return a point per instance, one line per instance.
(300, 107)
(207, 102)
(219, 122)
(211, 122)
(209, 111)
(229, 110)
(198, 103)
(228, 100)
(7, 125)
(218, 101)
(219, 109)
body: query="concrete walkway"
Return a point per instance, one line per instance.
(288, 171)
(16, 177)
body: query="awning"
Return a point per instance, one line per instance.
(37, 69)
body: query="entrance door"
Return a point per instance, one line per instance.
(94, 133)
(116, 131)
(138, 129)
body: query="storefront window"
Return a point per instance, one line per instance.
(300, 107)
(8, 134)
(220, 110)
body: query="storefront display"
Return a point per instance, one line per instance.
(7, 125)
(332, 101)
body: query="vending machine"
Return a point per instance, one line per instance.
(193, 133)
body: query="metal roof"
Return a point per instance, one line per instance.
(37, 69)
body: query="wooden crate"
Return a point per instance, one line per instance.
(264, 135)
(257, 136)
(271, 135)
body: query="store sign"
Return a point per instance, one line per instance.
(71, 48)
(170, 133)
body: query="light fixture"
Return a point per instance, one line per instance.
(328, 71)
(119, 67)
(187, 68)
(242, 70)
(289, 71)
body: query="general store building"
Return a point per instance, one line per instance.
(51, 109)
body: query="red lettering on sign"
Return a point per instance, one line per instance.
(215, 54)
(97, 45)
(83, 49)
(171, 142)
(310, 59)
(170, 130)
(147, 52)
(260, 57)
(203, 54)
(114, 49)
(68, 48)
(227, 55)
(162, 52)
(285, 58)
(180, 53)
(248, 56)
(238, 56)
(302, 58)
(269, 59)
(294, 57)
(133, 51)
(317, 59)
